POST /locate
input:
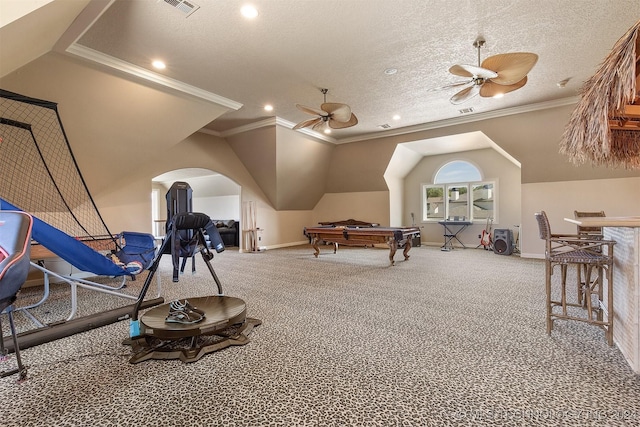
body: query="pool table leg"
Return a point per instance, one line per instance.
(393, 247)
(407, 247)
(314, 244)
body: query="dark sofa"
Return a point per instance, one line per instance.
(229, 231)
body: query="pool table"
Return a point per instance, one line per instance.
(395, 237)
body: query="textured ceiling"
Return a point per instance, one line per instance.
(295, 47)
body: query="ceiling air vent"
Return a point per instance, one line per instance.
(466, 110)
(183, 6)
(385, 126)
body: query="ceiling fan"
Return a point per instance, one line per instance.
(497, 75)
(331, 115)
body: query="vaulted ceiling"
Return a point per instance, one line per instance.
(293, 48)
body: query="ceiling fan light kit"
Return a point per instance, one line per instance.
(331, 115)
(494, 77)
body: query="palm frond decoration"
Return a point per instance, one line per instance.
(588, 136)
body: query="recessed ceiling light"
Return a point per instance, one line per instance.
(249, 11)
(396, 117)
(498, 95)
(327, 130)
(390, 71)
(160, 65)
(268, 107)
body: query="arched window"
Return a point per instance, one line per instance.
(457, 171)
(468, 197)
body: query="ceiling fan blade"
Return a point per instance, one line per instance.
(511, 67)
(321, 126)
(466, 70)
(307, 123)
(337, 111)
(336, 124)
(449, 86)
(309, 110)
(465, 94)
(490, 89)
(459, 70)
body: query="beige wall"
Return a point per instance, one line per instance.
(124, 133)
(493, 166)
(532, 138)
(114, 125)
(616, 197)
(256, 149)
(359, 166)
(282, 228)
(288, 166)
(370, 206)
(302, 165)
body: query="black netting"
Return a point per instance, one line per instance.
(38, 172)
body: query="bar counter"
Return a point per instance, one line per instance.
(625, 231)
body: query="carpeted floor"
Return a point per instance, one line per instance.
(446, 338)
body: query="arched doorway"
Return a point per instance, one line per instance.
(213, 194)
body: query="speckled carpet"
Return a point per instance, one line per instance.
(446, 338)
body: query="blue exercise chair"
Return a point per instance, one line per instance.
(15, 248)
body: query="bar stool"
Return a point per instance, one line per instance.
(586, 254)
(590, 233)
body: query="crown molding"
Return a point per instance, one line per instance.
(128, 68)
(313, 134)
(210, 132)
(465, 119)
(272, 121)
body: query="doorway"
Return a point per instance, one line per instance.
(213, 194)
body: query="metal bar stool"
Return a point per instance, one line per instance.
(587, 254)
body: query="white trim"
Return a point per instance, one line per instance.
(445, 201)
(406, 130)
(210, 132)
(271, 121)
(506, 155)
(287, 245)
(531, 255)
(317, 135)
(464, 119)
(125, 67)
